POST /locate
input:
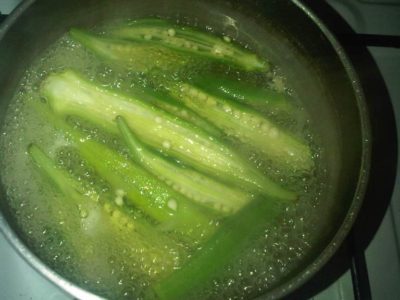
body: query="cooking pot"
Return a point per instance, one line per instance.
(286, 32)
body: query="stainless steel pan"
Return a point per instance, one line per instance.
(285, 31)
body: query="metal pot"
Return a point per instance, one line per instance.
(285, 31)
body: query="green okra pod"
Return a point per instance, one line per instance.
(68, 93)
(140, 57)
(191, 183)
(164, 101)
(157, 41)
(171, 210)
(144, 191)
(269, 100)
(228, 243)
(136, 231)
(249, 126)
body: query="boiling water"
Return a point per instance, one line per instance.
(82, 243)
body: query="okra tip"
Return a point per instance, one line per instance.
(36, 155)
(75, 32)
(254, 63)
(34, 152)
(120, 119)
(31, 149)
(122, 126)
(79, 35)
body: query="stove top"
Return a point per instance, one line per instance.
(366, 267)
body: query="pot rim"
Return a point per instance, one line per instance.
(366, 153)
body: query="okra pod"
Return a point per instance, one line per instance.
(70, 94)
(238, 91)
(144, 191)
(140, 57)
(57, 176)
(249, 126)
(171, 210)
(136, 231)
(164, 101)
(227, 244)
(194, 185)
(179, 41)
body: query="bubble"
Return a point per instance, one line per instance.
(171, 32)
(166, 145)
(172, 204)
